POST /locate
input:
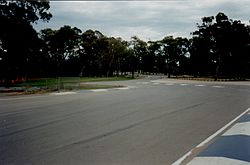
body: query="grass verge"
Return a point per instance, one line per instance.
(45, 85)
(51, 82)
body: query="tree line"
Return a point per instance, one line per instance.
(219, 47)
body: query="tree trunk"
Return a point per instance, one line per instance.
(168, 74)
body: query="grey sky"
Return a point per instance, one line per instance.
(146, 19)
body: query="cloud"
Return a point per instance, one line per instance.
(145, 19)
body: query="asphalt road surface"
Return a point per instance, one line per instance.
(149, 122)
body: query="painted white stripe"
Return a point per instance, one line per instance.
(63, 93)
(239, 129)
(98, 90)
(122, 88)
(179, 161)
(222, 129)
(183, 84)
(200, 85)
(216, 86)
(216, 161)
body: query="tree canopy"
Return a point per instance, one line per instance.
(220, 48)
(19, 42)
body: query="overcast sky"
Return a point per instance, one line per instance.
(149, 20)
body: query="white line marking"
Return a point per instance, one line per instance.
(99, 90)
(63, 93)
(179, 161)
(216, 160)
(217, 86)
(183, 84)
(222, 129)
(200, 85)
(239, 129)
(122, 88)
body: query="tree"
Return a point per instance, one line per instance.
(220, 47)
(19, 41)
(117, 51)
(140, 51)
(49, 60)
(151, 58)
(183, 52)
(171, 54)
(94, 47)
(203, 48)
(61, 46)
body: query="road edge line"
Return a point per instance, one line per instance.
(183, 158)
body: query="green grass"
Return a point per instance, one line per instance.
(97, 86)
(96, 79)
(72, 82)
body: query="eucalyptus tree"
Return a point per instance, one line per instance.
(93, 49)
(220, 47)
(183, 55)
(19, 40)
(60, 46)
(117, 53)
(202, 51)
(140, 51)
(171, 54)
(152, 58)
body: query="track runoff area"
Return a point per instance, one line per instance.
(228, 146)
